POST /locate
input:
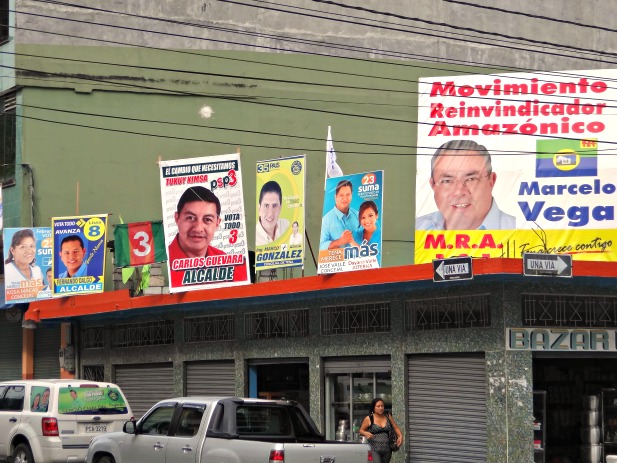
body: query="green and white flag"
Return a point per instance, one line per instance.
(139, 243)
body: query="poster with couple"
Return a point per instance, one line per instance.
(351, 230)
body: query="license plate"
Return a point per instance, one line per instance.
(96, 428)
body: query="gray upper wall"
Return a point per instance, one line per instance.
(581, 35)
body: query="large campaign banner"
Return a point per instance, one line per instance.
(204, 223)
(279, 230)
(79, 254)
(28, 254)
(351, 223)
(516, 163)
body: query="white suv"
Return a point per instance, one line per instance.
(53, 420)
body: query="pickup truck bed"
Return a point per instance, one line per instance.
(224, 430)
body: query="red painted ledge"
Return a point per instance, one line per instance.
(113, 301)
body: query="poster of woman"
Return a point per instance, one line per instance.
(27, 256)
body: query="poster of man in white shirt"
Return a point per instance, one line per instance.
(280, 219)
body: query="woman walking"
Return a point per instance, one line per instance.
(376, 428)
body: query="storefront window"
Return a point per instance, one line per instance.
(349, 396)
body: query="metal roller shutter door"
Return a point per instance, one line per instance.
(447, 408)
(145, 384)
(211, 378)
(46, 349)
(375, 364)
(10, 350)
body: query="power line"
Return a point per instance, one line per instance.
(235, 76)
(64, 3)
(380, 21)
(440, 37)
(211, 74)
(198, 54)
(186, 23)
(416, 147)
(329, 45)
(455, 27)
(241, 99)
(181, 124)
(534, 16)
(122, 65)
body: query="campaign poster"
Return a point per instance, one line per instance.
(79, 254)
(279, 230)
(28, 254)
(351, 224)
(515, 163)
(85, 400)
(204, 223)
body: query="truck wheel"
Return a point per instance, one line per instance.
(106, 459)
(23, 454)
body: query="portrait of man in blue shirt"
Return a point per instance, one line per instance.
(339, 225)
(72, 254)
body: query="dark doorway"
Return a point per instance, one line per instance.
(566, 382)
(281, 381)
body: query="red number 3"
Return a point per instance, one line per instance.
(232, 177)
(233, 236)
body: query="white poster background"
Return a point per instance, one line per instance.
(514, 154)
(221, 175)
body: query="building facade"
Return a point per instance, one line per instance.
(94, 96)
(458, 363)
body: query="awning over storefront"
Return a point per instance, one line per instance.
(116, 302)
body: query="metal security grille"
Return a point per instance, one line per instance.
(145, 384)
(211, 378)
(276, 324)
(360, 365)
(10, 354)
(143, 334)
(209, 329)
(46, 348)
(355, 319)
(569, 310)
(447, 408)
(440, 313)
(94, 372)
(92, 337)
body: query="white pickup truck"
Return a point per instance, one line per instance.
(223, 430)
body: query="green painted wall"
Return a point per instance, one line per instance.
(93, 145)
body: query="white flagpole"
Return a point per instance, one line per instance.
(332, 168)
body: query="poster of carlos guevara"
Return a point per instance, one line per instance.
(203, 219)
